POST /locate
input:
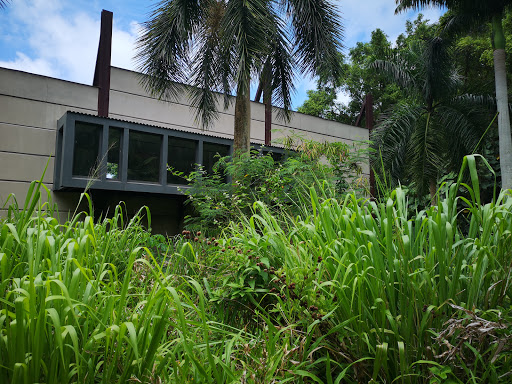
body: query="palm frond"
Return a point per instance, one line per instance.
(244, 25)
(404, 5)
(206, 78)
(3, 3)
(480, 8)
(163, 48)
(397, 70)
(441, 79)
(219, 46)
(465, 120)
(392, 134)
(456, 24)
(425, 151)
(280, 68)
(318, 34)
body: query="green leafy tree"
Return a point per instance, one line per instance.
(418, 29)
(432, 128)
(476, 12)
(219, 46)
(359, 77)
(322, 103)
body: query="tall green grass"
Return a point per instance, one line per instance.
(87, 302)
(352, 291)
(374, 287)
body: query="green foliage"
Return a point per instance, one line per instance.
(383, 297)
(86, 302)
(360, 77)
(429, 132)
(237, 183)
(350, 291)
(322, 103)
(471, 57)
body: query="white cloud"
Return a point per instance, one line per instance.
(360, 19)
(65, 44)
(26, 64)
(123, 46)
(343, 98)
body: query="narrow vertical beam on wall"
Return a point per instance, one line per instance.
(102, 70)
(68, 142)
(268, 122)
(267, 100)
(369, 125)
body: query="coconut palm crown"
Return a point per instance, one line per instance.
(475, 12)
(432, 129)
(219, 46)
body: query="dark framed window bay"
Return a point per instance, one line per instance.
(117, 155)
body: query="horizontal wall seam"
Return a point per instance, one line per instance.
(190, 129)
(159, 122)
(22, 181)
(28, 154)
(48, 102)
(224, 113)
(28, 126)
(165, 101)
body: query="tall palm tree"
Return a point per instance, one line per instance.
(221, 45)
(477, 12)
(433, 127)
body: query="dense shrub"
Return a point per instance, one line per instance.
(283, 185)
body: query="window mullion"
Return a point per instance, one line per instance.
(163, 160)
(199, 153)
(124, 155)
(104, 152)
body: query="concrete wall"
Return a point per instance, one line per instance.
(129, 101)
(30, 106)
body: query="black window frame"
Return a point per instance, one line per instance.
(64, 155)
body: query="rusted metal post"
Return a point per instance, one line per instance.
(102, 70)
(267, 99)
(369, 125)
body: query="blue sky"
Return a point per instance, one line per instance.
(59, 38)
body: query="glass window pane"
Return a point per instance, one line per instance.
(210, 151)
(114, 153)
(277, 157)
(86, 150)
(181, 157)
(144, 156)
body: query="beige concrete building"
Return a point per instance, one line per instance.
(47, 120)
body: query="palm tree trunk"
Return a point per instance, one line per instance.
(242, 131)
(500, 76)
